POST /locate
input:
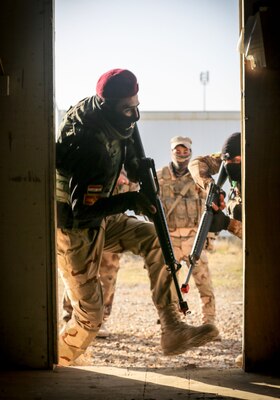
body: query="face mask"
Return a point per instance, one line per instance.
(123, 123)
(180, 160)
(234, 171)
(180, 163)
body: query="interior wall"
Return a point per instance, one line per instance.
(27, 312)
(262, 191)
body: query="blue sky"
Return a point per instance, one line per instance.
(167, 44)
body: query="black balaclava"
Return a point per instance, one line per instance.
(122, 123)
(231, 149)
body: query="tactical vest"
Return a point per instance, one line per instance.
(188, 210)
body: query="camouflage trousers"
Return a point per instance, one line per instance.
(79, 254)
(108, 272)
(110, 264)
(201, 274)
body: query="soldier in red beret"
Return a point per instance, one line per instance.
(94, 144)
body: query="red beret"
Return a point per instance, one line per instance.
(116, 84)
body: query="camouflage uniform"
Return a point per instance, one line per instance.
(79, 256)
(109, 267)
(90, 153)
(182, 221)
(110, 262)
(202, 169)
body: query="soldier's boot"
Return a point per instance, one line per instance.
(103, 331)
(178, 337)
(239, 361)
(206, 319)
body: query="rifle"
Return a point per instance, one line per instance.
(205, 223)
(150, 187)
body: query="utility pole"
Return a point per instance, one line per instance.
(204, 79)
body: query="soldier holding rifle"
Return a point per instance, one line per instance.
(95, 142)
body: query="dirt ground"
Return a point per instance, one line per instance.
(134, 339)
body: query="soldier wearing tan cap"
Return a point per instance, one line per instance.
(183, 203)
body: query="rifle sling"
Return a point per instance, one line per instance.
(180, 196)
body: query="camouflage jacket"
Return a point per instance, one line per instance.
(89, 156)
(182, 200)
(202, 169)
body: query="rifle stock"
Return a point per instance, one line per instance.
(204, 224)
(150, 187)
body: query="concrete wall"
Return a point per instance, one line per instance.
(208, 131)
(27, 273)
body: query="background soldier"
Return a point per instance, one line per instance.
(202, 169)
(183, 202)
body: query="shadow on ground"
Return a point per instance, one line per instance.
(105, 383)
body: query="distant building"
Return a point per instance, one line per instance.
(207, 129)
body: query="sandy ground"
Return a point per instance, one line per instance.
(134, 339)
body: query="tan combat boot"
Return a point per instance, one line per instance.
(178, 337)
(103, 331)
(239, 361)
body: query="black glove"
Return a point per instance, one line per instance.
(220, 222)
(139, 203)
(120, 203)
